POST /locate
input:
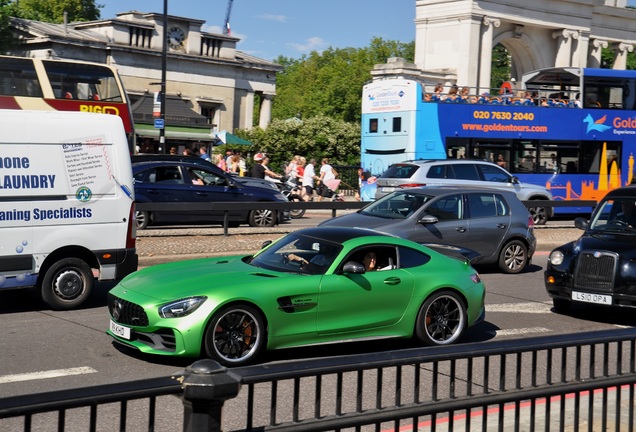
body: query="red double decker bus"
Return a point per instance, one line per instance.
(64, 85)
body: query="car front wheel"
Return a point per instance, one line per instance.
(235, 335)
(441, 319)
(561, 305)
(513, 257)
(263, 218)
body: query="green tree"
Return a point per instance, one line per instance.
(7, 39)
(330, 82)
(316, 137)
(52, 11)
(500, 66)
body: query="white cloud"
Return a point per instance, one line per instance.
(272, 17)
(314, 43)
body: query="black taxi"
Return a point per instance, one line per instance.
(600, 267)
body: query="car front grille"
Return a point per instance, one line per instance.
(595, 270)
(125, 312)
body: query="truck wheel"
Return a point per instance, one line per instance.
(67, 284)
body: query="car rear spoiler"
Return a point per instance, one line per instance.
(454, 252)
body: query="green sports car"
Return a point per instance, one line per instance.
(313, 286)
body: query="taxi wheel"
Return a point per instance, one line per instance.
(67, 284)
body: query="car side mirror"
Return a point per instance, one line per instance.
(230, 182)
(581, 223)
(353, 268)
(514, 180)
(428, 219)
(266, 243)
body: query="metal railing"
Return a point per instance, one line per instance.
(334, 206)
(547, 383)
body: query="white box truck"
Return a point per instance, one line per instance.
(66, 203)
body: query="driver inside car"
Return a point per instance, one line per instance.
(627, 215)
(319, 262)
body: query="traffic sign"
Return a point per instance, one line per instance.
(159, 124)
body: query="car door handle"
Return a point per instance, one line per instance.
(201, 193)
(502, 226)
(460, 229)
(152, 191)
(392, 281)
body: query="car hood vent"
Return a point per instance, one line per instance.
(264, 275)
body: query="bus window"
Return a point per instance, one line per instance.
(373, 125)
(591, 153)
(18, 78)
(397, 124)
(82, 81)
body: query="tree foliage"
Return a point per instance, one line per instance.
(7, 39)
(330, 83)
(52, 11)
(315, 137)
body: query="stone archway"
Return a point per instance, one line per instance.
(455, 37)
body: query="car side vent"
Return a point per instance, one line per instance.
(265, 275)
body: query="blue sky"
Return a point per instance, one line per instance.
(269, 28)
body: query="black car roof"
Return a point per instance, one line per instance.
(626, 191)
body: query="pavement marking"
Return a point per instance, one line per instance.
(521, 331)
(528, 308)
(46, 374)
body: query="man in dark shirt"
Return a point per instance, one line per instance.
(260, 170)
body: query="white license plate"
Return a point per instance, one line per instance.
(592, 298)
(388, 189)
(119, 330)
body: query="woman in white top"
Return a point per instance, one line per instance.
(308, 180)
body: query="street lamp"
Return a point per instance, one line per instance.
(162, 83)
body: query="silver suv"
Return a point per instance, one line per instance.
(466, 172)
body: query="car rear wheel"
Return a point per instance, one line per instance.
(561, 305)
(441, 320)
(235, 335)
(513, 257)
(67, 284)
(142, 219)
(263, 218)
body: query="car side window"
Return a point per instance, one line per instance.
(482, 205)
(208, 177)
(493, 173)
(447, 208)
(168, 175)
(437, 171)
(409, 258)
(466, 172)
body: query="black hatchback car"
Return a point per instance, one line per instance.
(600, 267)
(169, 181)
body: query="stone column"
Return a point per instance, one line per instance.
(564, 46)
(248, 120)
(266, 111)
(595, 53)
(620, 50)
(485, 57)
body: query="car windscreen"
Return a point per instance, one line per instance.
(396, 205)
(297, 253)
(617, 214)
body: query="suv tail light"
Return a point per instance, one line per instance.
(131, 232)
(530, 222)
(410, 185)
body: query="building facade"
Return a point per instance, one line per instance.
(210, 85)
(454, 38)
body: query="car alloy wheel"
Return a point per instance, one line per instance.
(514, 257)
(235, 335)
(442, 319)
(263, 218)
(539, 215)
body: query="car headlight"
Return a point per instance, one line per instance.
(181, 308)
(556, 258)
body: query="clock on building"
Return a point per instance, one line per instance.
(176, 36)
